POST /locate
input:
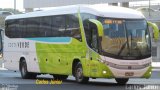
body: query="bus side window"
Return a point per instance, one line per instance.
(94, 38)
(72, 27)
(87, 32)
(45, 29)
(58, 26)
(10, 29)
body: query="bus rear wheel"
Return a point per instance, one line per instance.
(80, 78)
(122, 81)
(24, 72)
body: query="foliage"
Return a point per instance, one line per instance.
(11, 10)
(2, 18)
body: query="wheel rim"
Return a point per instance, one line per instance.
(79, 74)
(23, 70)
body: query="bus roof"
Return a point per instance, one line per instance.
(98, 9)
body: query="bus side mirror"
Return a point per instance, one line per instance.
(155, 30)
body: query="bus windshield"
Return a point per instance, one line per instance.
(126, 39)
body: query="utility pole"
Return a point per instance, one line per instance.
(14, 6)
(149, 8)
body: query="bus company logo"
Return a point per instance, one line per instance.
(23, 44)
(19, 45)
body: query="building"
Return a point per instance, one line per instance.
(29, 5)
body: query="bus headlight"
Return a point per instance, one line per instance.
(104, 72)
(150, 73)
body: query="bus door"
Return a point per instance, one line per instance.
(94, 48)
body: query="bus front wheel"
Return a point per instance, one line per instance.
(121, 81)
(24, 72)
(79, 74)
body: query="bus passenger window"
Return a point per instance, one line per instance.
(72, 27)
(58, 26)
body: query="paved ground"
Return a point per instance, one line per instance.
(10, 80)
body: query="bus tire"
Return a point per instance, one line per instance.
(80, 78)
(24, 72)
(122, 81)
(60, 77)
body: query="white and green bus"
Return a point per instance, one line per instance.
(86, 41)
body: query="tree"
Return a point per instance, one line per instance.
(2, 17)
(11, 10)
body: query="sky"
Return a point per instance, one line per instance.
(19, 3)
(10, 4)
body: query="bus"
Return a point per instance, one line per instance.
(86, 41)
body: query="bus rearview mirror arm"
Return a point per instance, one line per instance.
(155, 30)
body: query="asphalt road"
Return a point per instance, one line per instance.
(10, 80)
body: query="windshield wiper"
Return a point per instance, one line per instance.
(127, 42)
(122, 48)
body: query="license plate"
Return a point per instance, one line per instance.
(129, 73)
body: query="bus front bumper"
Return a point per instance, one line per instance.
(139, 73)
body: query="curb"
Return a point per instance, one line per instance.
(3, 69)
(156, 69)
